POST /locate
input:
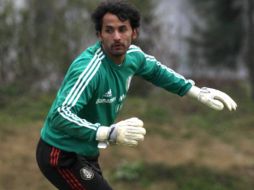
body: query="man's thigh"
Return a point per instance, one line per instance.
(67, 170)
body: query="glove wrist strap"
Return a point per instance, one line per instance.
(112, 134)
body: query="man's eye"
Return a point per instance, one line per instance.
(109, 30)
(123, 29)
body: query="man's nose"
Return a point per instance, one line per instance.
(117, 35)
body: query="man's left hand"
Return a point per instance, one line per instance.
(213, 98)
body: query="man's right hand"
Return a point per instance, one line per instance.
(127, 132)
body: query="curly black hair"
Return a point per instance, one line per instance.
(121, 8)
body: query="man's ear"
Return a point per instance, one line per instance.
(134, 34)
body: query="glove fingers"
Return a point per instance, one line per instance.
(227, 100)
(137, 137)
(135, 133)
(129, 131)
(131, 142)
(216, 104)
(216, 99)
(130, 135)
(135, 122)
(136, 130)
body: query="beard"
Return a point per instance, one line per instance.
(118, 49)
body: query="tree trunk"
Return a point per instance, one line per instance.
(250, 43)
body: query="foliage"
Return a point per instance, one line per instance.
(39, 41)
(49, 36)
(249, 41)
(148, 25)
(7, 42)
(218, 37)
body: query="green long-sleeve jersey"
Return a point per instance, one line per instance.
(92, 94)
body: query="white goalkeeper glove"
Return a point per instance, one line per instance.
(213, 98)
(127, 132)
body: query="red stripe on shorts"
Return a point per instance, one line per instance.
(67, 175)
(71, 179)
(54, 156)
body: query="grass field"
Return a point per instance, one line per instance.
(188, 146)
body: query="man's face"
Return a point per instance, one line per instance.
(116, 36)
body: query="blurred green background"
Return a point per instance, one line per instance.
(188, 146)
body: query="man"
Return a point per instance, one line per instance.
(81, 118)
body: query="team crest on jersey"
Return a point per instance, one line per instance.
(86, 173)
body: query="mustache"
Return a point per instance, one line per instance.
(117, 44)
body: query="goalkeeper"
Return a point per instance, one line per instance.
(82, 117)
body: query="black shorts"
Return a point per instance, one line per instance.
(69, 171)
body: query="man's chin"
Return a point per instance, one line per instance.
(118, 53)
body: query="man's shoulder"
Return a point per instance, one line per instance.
(92, 49)
(135, 52)
(89, 58)
(135, 48)
(93, 52)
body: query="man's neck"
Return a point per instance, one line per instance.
(118, 60)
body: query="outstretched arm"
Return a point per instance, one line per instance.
(162, 76)
(212, 98)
